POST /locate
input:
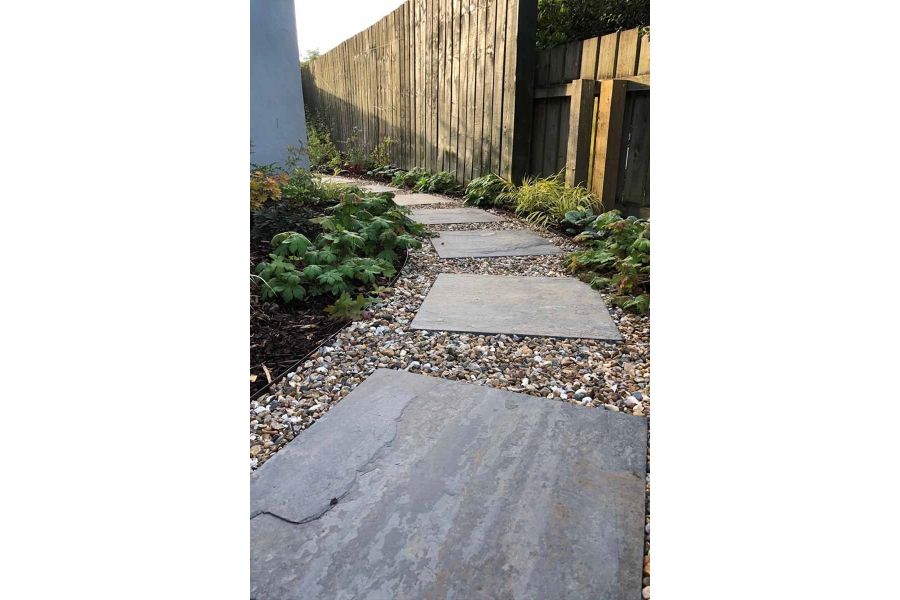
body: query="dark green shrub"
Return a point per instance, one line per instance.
(484, 191)
(408, 179)
(439, 183)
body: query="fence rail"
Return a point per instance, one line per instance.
(443, 78)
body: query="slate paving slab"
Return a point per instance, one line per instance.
(421, 199)
(419, 487)
(485, 243)
(444, 216)
(545, 306)
(371, 186)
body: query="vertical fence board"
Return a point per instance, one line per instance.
(606, 65)
(627, 59)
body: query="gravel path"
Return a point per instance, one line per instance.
(603, 375)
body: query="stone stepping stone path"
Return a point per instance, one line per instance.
(422, 199)
(419, 487)
(370, 186)
(446, 216)
(546, 306)
(481, 243)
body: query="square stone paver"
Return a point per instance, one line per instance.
(443, 216)
(420, 199)
(419, 487)
(488, 242)
(546, 306)
(340, 179)
(371, 186)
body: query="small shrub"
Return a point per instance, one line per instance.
(545, 201)
(265, 186)
(381, 154)
(484, 191)
(618, 259)
(356, 159)
(322, 152)
(439, 183)
(386, 173)
(408, 179)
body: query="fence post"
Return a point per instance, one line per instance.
(608, 140)
(578, 151)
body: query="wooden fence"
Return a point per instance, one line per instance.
(450, 81)
(591, 117)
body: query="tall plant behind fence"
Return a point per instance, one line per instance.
(591, 117)
(450, 81)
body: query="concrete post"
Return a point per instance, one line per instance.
(277, 120)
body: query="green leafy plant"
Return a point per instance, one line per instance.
(360, 240)
(408, 179)
(323, 154)
(381, 155)
(356, 159)
(386, 173)
(347, 308)
(545, 201)
(617, 259)
(440, 183)
(485, 190)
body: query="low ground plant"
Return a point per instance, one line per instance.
(545, 201)
(617, 257)
(408, 179)
(486, 190)
(361, 240)
(442, 182)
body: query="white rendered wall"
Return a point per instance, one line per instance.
(277, 120)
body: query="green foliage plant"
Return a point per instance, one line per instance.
(442, 182)
(381, 155)
(617, 257)
(323, 155)
(485, 190)
(360, 243)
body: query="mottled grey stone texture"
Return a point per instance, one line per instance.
(417, 487)
(420, 199)
(487, 242)
(444, 216)
(548, 306)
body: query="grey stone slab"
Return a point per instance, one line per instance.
(418, 487)
(546, 306)
(488, 242)
(443, 216)
(340, 179)
(420, 199)
(380, 187)
(371, 186)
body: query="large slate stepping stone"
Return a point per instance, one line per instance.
(370, 186)
(421, 199)
(417, 487)
(444, 216)
(485, 242)
(546, 306)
